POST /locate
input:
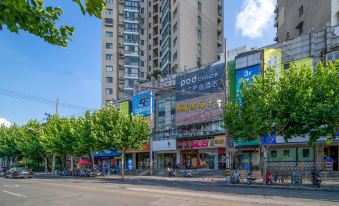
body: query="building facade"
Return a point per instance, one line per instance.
(298, 17)
(140, 36)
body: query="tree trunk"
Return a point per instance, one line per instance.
(46, 164)
(53, 164)
(71, 162)
(92, 157)
(122, 165)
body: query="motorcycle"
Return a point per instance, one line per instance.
(235, 177)
(171, 172)
(187, 173)
(316, 179)
(250, 178)
(269, 178)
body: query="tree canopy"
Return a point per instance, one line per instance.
(301, 102)
(42, 21)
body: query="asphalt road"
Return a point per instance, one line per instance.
(50, 191)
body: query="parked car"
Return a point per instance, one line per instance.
(18, 173)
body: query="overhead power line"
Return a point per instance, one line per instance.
(39, 100)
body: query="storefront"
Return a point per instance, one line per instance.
(202, 153)
(106, 159)
(165, 154)
(246, 155)
(138, 158)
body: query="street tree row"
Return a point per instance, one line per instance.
(94, 131)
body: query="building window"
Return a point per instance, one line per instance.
(108, 57)
(301, 10)
(142, 31)
(175, 41)
(109, 1)
(109, 80)
(142, 53)
(108, 21)
(142, 63)
(286, 153)
(142, 10)
(175, 13)
(109, 46)
(274, 153)
(109, 91)
(109, 11)
(199, 20)
(175, 56)
(142, 21)
(199, 49)
(199, 34)
(175, 27)
(199, 6)
(142, 74)
(109, 34)
(306, 153)
(109, 68)
(142, 42)
(300, 28)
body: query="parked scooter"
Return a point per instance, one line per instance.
(316, 179)
(171, 172)
(235, 177)
(187, 173)
(269, 178)
(250, 178)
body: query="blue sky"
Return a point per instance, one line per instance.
(31, 66)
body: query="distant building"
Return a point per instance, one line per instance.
(171, 35)
(298, 17)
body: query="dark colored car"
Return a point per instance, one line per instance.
(18, 173)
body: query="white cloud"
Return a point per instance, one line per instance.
(255, 17)
(5, 122)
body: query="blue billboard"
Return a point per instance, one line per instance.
(208, 79)
(141, 104)
(246, 74)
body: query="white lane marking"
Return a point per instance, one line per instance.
(11, 185)
(15, 194)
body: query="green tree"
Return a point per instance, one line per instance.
(308, 102)
(32, 16)
(31, 143)
(87, 142)
(114, 129)
(8, 142)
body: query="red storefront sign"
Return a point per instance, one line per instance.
(188, 144)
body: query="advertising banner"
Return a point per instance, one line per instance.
(191, 144)
(206, 108)
(246, 74)
(141, 104)
(220, 141)
(305, 62)
(207, 80)
(166, 82)
(124, 107)
(272, 59)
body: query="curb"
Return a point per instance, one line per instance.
(281, 187)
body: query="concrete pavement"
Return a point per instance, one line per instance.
(42, 191)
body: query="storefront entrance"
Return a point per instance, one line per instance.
(166, 160)
(331, 154)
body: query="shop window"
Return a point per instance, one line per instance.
(286, 153)
(306, 153)
(274, 153)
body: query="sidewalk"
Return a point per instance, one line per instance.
(331, 185)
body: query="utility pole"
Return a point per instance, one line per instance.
(151, 133)
(56, 113)
(227, 137)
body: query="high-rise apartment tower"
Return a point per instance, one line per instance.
(140, 36)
